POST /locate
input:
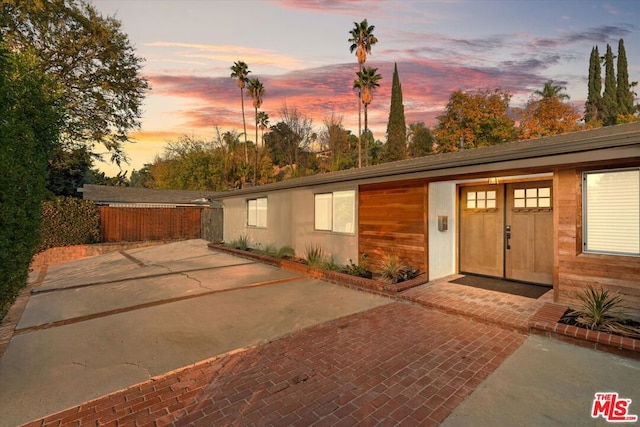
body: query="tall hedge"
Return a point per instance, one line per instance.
(69, 221)
(29, 126)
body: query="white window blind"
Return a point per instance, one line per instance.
(344, 206)
(323, 208)
(335, 211)
(612, 212)
(257, 212)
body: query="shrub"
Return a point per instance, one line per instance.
(241, 243)
(392, 269)
(357, 270)
(69, 221)
(285, 252)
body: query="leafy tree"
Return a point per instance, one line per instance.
(420, 140)
(396, 126)
(362, 39)
(624, 94)
(302, 126)
(142, 177)
(92, 62)
(282, 142)
(240, 71)
(337, 141)
(68, 169)
(475, 119)
(29, 130)
(367, 82)
(256, 91)
(545, 114)
(609, 97)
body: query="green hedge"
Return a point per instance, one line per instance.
(29, 125)
(69, 221)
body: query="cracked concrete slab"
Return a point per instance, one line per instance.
(46, 370)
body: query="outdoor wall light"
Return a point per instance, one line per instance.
(493, 180)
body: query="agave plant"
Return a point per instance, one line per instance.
(314, 254)
(599, 309)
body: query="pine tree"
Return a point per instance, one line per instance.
(396, 127)
(594, 95)
(624, 95)
(609, 99)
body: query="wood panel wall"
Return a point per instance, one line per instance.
(575, 270)
(393, 220)
(119, 224)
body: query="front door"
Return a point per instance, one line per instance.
(529, 232)
(506, 231)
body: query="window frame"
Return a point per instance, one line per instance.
(259, 221)
(586, 218)
(331, 221)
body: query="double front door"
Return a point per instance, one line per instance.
(506, 231)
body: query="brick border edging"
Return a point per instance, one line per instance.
(546, 322)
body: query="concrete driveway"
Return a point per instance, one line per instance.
(101, 324)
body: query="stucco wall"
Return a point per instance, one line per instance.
(442, 244)
(290, 222)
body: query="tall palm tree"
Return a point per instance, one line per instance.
(240, 71)
(256, 91)
(366, 82)
(361, 40)
(552, 91)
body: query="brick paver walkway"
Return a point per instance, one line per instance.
(499, 308)
(398, 363)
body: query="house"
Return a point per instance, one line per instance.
(561, 211)
(130, 214)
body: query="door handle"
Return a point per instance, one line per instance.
(507, 235)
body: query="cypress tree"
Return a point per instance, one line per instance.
(396, 127)
(594, 94)
(609, 98)
(624, 95)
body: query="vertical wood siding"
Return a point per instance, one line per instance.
(577, 270)
(392, 219)
(120, 224)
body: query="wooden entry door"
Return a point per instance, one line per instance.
(529, 242)
(506, 231)
(481, 225)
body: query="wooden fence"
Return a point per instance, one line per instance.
(122, 224)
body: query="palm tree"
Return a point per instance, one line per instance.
(263, 123)
(552, 91)
(366, 82)
(256, 91)
(240, 71)
(361, 40)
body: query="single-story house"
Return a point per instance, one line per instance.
(130, 214)
(561, 211)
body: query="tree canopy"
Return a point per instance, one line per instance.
(475, 119)
(396, 148)
(92, 62)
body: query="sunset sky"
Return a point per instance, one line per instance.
(299, 51)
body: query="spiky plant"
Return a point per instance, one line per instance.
(598, 309)
(390, 268)
(314, 254)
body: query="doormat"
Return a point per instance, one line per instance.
(501, 285)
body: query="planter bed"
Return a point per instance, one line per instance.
(322, 274)
(547, 322)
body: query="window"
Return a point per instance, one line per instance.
(336, 211)
(611, 211)
(532, 198)
(481, 200)
(257, 212)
